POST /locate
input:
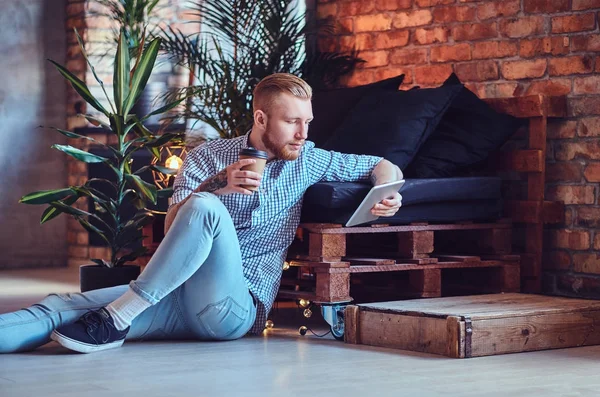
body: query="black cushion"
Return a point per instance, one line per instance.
(393, 125)
(467, 134)
(423, 200)
(331, 107)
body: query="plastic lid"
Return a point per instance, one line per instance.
(252, 152)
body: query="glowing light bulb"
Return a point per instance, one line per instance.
(174, 162)
(302, 330)
(304, 302)
(286, 265)
(269, 324)
(307, 313)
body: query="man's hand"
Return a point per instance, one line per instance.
(388, 207)
(232, 180)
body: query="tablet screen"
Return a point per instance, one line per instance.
(376, 194)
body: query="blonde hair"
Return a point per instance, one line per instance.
(268, 88)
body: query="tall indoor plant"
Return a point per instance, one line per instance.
(239, 43)
(110, 196)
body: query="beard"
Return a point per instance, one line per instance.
(280, 150)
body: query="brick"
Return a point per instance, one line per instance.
(585, 4)
(430, 36)
(589, 126)
(474, 31)
(554, 87)
(391, 39)
(353, 8)
(584, 106)
(374, 58)
(359, 77)
(77, 251)
(372, 23)
(494, 49)
(545, 6)
(570, 239)
(391, 5)
(588, 216)
(548, 45)
(592, 172)
(453, 14)
(574, 23)
(432, 74)
(460, 52)
(477, 71)
(556, 260)
(345, 25)
(586, 85)
(570, 65)
(326, 10)
(564, 172)
(562, 129)
(583, 149)
(522, 27)
(571, 194)
(580, 286)
(586, 263)
(431, 3)
(507, 90)
(411, 56)
(409, 19)
(597, 241)
(496, 9)
(100, 252)
(361, 41)
(83, 238)
(514, 70)
(392, 71)
(586, 42)
(568, 216)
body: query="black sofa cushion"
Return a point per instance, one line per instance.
(393, 125)
(331, 107)
(423, 200)
(467, 134)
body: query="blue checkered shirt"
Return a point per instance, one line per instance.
(266, 221)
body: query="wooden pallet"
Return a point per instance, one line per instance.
(472, 326)
(324, 267)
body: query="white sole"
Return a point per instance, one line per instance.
(81, 347)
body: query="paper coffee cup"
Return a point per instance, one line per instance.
(258, 166)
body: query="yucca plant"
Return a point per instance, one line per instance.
(242, 41)
(110, 197)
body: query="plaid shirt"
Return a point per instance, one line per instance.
(266, 221)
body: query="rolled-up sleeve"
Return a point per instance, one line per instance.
(330, 166)
(196, 168)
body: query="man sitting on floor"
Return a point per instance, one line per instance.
(216, 273)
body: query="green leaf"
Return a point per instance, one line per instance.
(80, 154)
(143, 188)
(141, 75)
(46, 196)
(95, 121)
(163, 109)
(121, 73)
(52, 212)
(165, 193)
(160, 140)
(80, 213)
(70, 134)
(101, 262)
(131, 256)
(93, 229)
(80, 87)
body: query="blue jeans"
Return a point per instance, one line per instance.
(194, 282)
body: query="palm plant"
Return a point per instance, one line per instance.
(111, 196)
(242, 42)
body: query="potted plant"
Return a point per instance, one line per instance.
(126, 188)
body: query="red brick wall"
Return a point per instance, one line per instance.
(502, 49)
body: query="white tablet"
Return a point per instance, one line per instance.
(376, 194)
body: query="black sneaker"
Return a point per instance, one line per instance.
(94, 331)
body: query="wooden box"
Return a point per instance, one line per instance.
(473, 326)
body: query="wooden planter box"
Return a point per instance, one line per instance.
(474, 326)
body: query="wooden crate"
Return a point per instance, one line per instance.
(473, 326)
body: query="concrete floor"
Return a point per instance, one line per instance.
(279, 363)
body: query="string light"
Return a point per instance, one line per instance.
(307, 313)
(302, 330)
(286, 265)
(304, 302)
(269, 324)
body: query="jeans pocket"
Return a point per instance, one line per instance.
(223, 319)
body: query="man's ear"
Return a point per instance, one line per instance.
(260, 118)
